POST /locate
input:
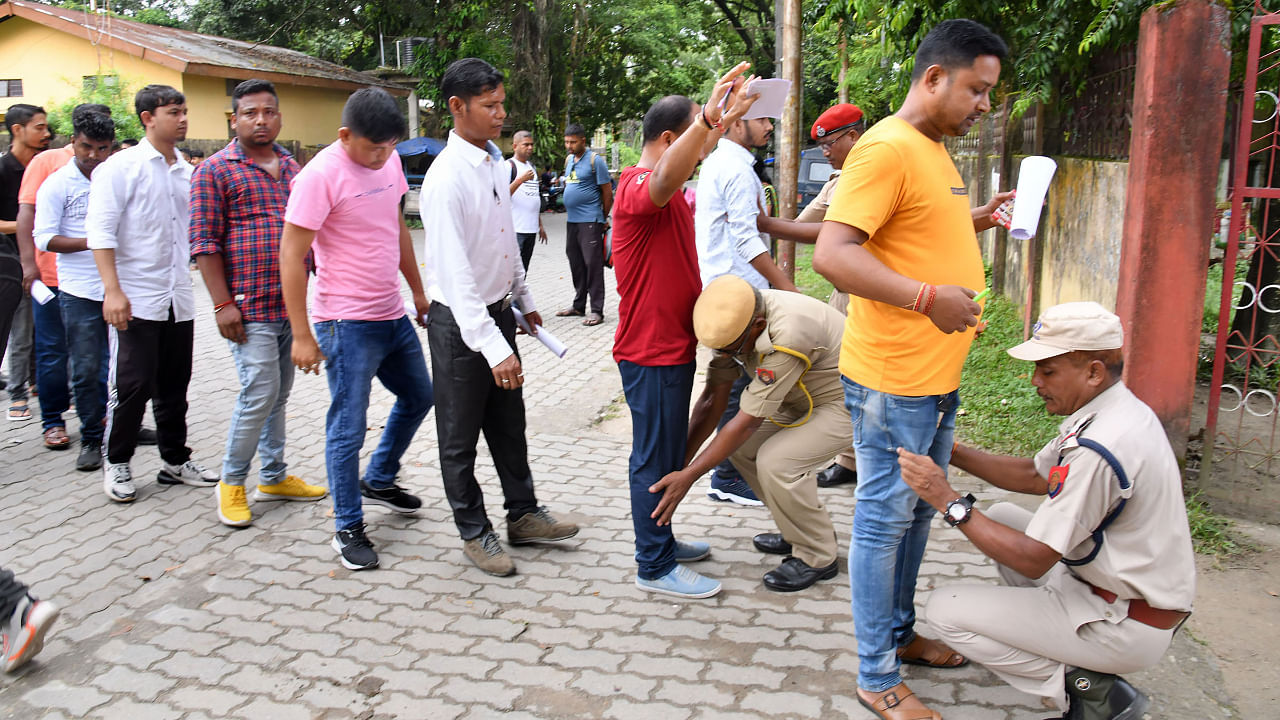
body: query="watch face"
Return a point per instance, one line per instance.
(956, 512)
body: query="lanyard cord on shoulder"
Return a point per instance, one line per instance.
(808, 365)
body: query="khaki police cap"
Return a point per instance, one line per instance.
(723, 311)
(1069, 327)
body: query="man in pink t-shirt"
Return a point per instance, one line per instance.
(345, 204)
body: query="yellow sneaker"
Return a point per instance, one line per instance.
(291, 488)
(233, 508)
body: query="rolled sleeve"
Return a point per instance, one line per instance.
(208, 211)
(761, 399)
(742, 206)
(1066, 520)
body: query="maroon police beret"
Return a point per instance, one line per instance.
(837, 118)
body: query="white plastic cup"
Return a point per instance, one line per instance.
(41, 292)
(1034, 175)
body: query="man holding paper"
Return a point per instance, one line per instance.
(899, 238)
(474, 276)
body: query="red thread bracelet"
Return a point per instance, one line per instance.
(928, 304)
(221, 305)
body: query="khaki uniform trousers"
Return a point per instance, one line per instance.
(781, 464)
(840, 301)
(1030, 632)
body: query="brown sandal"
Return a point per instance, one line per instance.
(930, 653)
(55, 438)
(892, 704)
(571, 312)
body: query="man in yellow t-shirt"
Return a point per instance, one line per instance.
(899, 238)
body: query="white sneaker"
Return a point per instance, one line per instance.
(188, 473)
(117, 482)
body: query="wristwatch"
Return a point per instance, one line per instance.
(959, 510)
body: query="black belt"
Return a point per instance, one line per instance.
(500, 305)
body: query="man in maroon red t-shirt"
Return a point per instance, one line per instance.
(656, 263)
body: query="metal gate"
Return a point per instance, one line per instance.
(1242, 432)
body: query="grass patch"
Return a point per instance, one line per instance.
(1211, 533)
(1001, 411)
(807, 281)
(413, 221)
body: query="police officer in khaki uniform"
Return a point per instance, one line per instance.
(791, 420)
(1102, 573)
(836, 131)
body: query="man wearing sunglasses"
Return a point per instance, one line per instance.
(790, 422)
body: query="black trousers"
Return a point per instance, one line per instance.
(526, 247)
(467, 404)
(151, 360)
(10, 296)
(726, 469)
(11, 593)
(584, 244)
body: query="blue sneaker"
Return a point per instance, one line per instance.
(692, 551)
(734, 490)
(681, 582)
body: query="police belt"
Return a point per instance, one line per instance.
(1142, 612)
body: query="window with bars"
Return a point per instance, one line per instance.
(10, 88)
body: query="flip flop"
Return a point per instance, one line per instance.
(930, 653)
(570, 312)
(55, 438)
(887, 705)
(593, 319)
(19, 411)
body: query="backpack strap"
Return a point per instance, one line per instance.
(1123, 479)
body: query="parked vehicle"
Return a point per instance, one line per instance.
(814, 173)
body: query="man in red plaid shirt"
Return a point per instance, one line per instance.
(238, 198)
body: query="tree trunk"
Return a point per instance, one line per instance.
(789, 130)
(529, 36)
(572, 62)
(843, 50)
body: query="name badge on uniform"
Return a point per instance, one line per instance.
(765, 376)
(1057, 478)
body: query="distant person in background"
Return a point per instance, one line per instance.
(588, 198)
(526, 201)
(238, 200)
(29, 134)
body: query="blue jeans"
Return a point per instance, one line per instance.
(86, 333)
(890, 522)
(659, 402)
(357, 351)
(51, 362)
(265, 368)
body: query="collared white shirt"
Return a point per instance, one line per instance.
(729, 198)
(138, 207)
(473, 258)
(526, 201)
(62, 202)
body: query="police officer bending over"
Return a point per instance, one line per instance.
(1102, 574)
(791, 422)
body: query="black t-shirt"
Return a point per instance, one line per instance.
(11, 170)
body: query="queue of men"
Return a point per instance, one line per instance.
(1100, 576)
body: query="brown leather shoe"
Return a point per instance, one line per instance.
(896, 703)
(488, 555)
(539, 526)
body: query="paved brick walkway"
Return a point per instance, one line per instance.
(169, 614)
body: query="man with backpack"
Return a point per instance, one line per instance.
(588, 198)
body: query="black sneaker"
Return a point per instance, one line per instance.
(355, 549)
(393, 497)
(146, 436)
(90, 457)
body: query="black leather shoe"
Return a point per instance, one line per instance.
(771, 543)
(146, 436)
(835, 475)
(1102, 696)
(794, 574)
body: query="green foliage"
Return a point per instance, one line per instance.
(807, 280)
(1002, 412)
(1211, 533)
(110, 90)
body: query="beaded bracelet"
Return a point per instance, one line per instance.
(928, 304)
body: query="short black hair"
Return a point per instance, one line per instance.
(94, 126)
(152, 97)
(371, 113)
(20, 114)
(129, 142)
(193, 152)
(956, 44)
(252, 86)
(575, 130)
(84, 108)
(669, 113)
(467, 78)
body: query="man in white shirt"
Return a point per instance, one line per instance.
(473, 277)
(62, 202)
(526, 198)
(137, 229)
(730, 196)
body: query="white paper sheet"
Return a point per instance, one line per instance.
(773, 96)
(544, 335)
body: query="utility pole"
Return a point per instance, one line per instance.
(788, 130)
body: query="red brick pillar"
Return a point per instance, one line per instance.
(1179, 107)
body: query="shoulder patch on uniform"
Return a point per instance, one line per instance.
(765, 376)
(1057, 478)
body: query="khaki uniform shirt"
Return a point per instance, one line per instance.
(816, 210)
(800, 323)
(1147, 549)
